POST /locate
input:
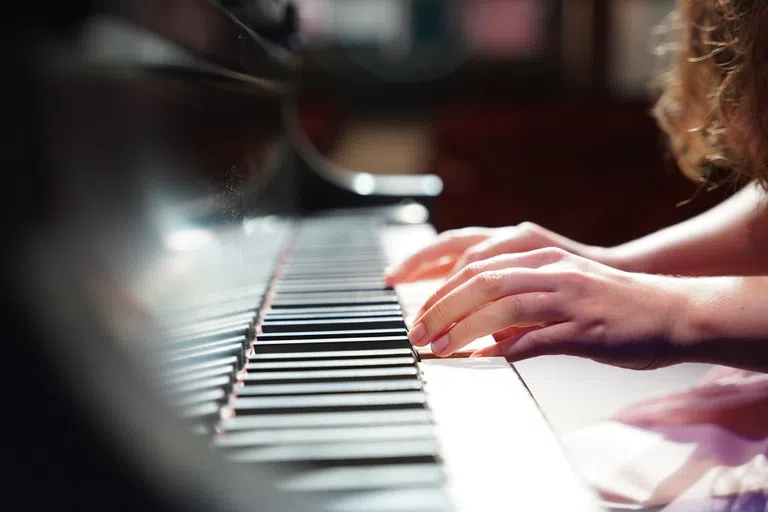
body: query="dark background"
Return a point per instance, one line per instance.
(551, 126)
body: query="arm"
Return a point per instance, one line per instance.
(731, 238)
(550, 301)
(726, 323)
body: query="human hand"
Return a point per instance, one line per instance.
(453, 250)
(549, 301)
(438, 258)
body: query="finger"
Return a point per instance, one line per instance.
(478, 292)
(478, 252)
(437, 270)
(515, 330)
(550, 339)
(507, 334)
(532, 259)
(526, 308)
(513, 240)
(454, 244)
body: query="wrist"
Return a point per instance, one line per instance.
(721, 320)
(614, 257)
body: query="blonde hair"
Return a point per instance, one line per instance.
(714, 96)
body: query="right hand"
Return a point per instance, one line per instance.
(453, 250)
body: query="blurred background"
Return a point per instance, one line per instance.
(529, 110)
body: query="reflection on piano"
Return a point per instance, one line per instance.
(192, 276)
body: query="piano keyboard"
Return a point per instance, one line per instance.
(295, 358)
(310, 370)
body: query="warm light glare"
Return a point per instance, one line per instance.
(363, 184)
(188, 239)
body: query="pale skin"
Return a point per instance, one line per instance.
(697, 291)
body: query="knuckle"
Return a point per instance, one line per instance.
(556, 253)
(529, 227)
(593, 327)
(466, 232)
(571, 276)
(490, 283)
(513, 305)
(448, 235)
(472, 270)
(437, 314)
(431, 300)
(459, 332)
(573, 279)
(472, 254)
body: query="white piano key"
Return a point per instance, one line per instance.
(427, 499)
(393, 417)
(326, 435)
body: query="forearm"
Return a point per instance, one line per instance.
(731, 239)
(726, 325)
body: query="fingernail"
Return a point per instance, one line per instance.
(440, 344)
(417, 333)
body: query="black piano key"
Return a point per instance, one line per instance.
(335, 295)
(280, 316)
(380, 322)
(290, 276)
(192, 368)
(280, 302)
(355, 386)
(195, 328)
(215, 312)
(238, 331)
(202, 356)
(197, 386)
(320, 419)
(181, 349)
(379, 452)
(217, 371)
(252, 293)
(324, 435)
(211, 395)
(331, 354)
(332, 286)
(332, 280)
(332, 344)
(328, 375)
(325, 252)
(317, 310)
(297, 404)
(206, 412)
(333, 363)
(352, 264)
(309, 335)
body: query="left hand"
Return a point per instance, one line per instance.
(549, 301)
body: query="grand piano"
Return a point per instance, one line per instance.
(193, 305)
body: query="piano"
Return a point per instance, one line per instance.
(193, 301)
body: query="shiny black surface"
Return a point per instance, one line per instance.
(123, 121)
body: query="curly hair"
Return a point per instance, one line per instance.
(714, 97)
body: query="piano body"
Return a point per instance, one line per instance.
(193, 298)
